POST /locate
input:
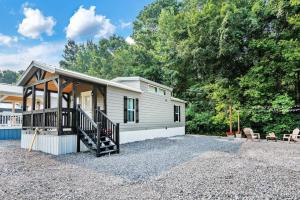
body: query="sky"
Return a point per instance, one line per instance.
(38, 29)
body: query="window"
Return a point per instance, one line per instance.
(176, 113)
(152, 89)
(130, 110)
(161, 92)
(156, 90)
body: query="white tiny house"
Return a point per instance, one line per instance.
(95, 113)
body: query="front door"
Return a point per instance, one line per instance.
(86, 99)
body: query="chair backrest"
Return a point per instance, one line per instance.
(272, 134)
(295, 133)
(248, 131)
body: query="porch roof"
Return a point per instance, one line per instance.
(68, 73)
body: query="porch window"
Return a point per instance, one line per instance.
(176, 113)
(130, 109)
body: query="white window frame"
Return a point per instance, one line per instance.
(131, 109)
(157, 89)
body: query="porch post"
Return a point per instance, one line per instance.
(24, 99)
(32, 105)
(45, 104)
(74, 118)
(49, 99)
(59, 106)
(94, 102)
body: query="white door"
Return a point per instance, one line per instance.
(86, 101)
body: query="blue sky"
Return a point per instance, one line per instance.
(38, 30)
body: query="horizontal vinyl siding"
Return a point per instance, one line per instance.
(115, 103)
(155, 111)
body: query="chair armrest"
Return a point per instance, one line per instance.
(256, 134)
(286, 135)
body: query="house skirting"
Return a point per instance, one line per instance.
(10, 134)
(64, 144)
(52, 144)
(134, 136)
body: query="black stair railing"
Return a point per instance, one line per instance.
(108, 128)
(95, 130)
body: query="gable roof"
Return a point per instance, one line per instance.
(68, 73)
(138, 78)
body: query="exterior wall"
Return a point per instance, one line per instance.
(155, 111)
(133, 136)
(52, 144)
(10, 134)
(135, 84)
(115, 104)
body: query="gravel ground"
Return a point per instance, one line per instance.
(188, 167)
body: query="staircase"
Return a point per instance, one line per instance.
(100, 136)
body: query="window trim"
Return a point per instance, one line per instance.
(129, 109)
(177, 113)
(157, 89)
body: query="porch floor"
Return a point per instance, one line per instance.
(185, 167)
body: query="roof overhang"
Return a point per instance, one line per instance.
(178, 100)
(34, 65)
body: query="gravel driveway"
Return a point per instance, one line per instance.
(186, 167)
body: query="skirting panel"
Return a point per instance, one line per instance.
(52, 144)
(133, 136)
(10, 134)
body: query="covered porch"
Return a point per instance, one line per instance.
(56, 112)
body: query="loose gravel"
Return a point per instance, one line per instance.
(186, 167)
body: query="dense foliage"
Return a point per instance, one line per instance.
(9, 76)
(215, 54)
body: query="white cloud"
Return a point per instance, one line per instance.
(125, 24)
(85, 23)
(130, 40)
(6, 40)
(49, 53)
(35, 23)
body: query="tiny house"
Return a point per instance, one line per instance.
(80, 112)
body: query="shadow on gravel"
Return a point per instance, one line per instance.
(140, 160)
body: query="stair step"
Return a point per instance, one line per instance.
(102, 153)
(106, 142)
(107, 146)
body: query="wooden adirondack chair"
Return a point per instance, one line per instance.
(271, 136)
(251, 135)
(295, 137)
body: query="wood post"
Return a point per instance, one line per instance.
(24, 106)
(59, 106)
(98, 139)
(118, 137)
(32, 105)
(45, 104)
(94, 102)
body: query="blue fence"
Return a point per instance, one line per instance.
(10, 134)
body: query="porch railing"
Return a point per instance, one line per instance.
(11, 120)
(47, 118)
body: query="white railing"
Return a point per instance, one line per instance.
(10, 120)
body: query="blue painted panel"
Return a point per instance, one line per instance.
(10, 134)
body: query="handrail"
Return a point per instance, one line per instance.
(88, 117)
(102, 127)
(102, 113)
